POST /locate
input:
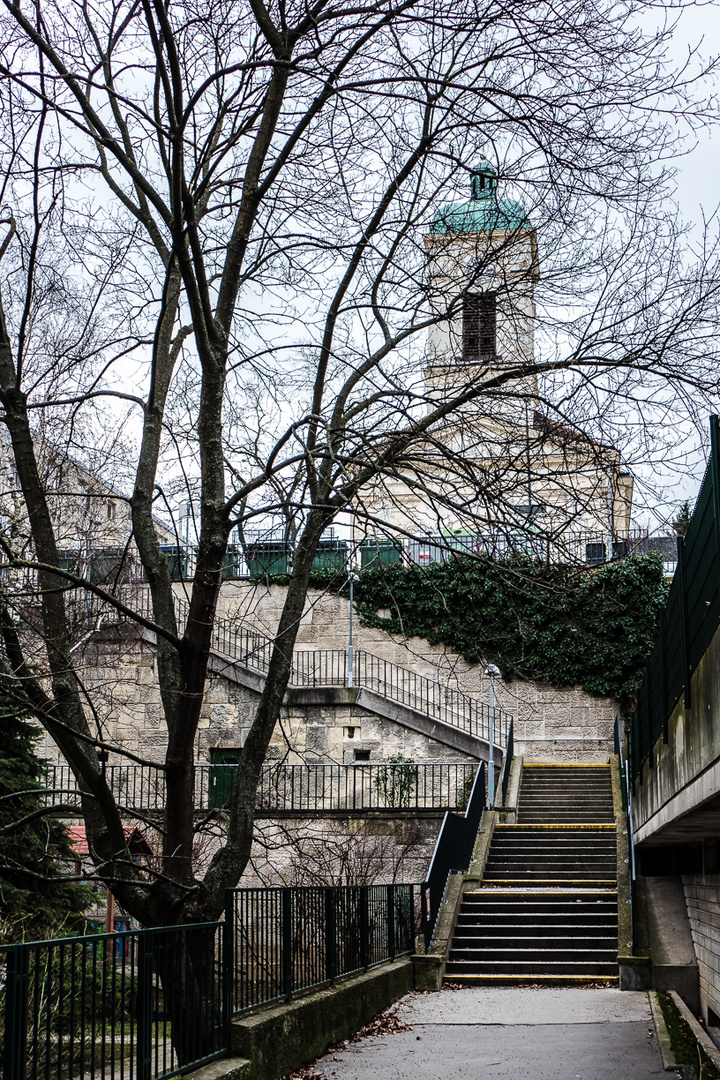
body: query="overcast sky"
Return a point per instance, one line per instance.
(698, 197)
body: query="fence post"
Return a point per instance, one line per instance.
(683, 622)
(286, 958)
(663, 676)
(330, 933)
(16, 1012)
(144, 1005)
(364, 926)
(715, 469)
(648, 710)
(391, 921)
(228, 957)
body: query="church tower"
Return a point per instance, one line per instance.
(483, 263)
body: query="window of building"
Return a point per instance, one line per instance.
(479, 324)
(111, 511)
(362, 755)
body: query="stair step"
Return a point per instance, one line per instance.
(547, 947)
(485, 953)
(548, 929)
(547, 910)
(522, 929)
(541, 980)
(582, 882)
(533, 967)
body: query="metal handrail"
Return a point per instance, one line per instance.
(284, 788)
(328, 667)
(453, 852)
(507, 762)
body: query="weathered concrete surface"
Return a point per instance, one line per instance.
(674, 964)
(702, 896)
(229, 1068)
(509, 1033)
(678, 799)
(278, 1040)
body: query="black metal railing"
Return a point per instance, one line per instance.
(290, 940)
(548, 545)
(507, 763)
(287, 788)
(274, 555)
(625, 793)
(328, 667)
(113, 1005)
(388, 786)
(688, 622)
(151, 1004)
(453, 852)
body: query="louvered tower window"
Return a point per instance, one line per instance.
(479, 322)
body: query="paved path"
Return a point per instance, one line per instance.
(509, 1033)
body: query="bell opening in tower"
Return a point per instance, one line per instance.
(479, 325)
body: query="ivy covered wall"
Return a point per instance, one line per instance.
(564, 625)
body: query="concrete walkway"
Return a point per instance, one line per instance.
(509, 1033)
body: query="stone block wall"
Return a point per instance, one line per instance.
(550, 724)
(118, 667)
(702, 896)
(357, 851)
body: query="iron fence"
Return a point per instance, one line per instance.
(688, 622)
(116, 568)
(287, 788)
(533, 541)
(141, 1005)
(387, 786)
(290, 940)
(151, 1004)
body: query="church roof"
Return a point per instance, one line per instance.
(483, 212)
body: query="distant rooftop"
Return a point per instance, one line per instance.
(484, 212)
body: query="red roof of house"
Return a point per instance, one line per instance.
(136, 842)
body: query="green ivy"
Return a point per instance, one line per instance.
(588, 627)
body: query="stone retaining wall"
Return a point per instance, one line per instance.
(550, 724)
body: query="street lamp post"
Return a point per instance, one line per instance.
(492, 670)
(352, 578)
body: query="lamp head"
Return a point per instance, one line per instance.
(492, 669)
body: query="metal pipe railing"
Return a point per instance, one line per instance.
(328, 667)
(421, 786)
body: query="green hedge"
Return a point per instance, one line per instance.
(564, 625)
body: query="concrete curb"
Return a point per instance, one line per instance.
(698, 1031)
(229, 1068)
(663, 1039)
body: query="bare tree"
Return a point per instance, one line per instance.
(242, 191)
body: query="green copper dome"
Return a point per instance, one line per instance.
(484, 212)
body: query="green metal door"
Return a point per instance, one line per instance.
(222, 775)
(380, 552)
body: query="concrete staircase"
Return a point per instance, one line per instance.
(547, 908)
